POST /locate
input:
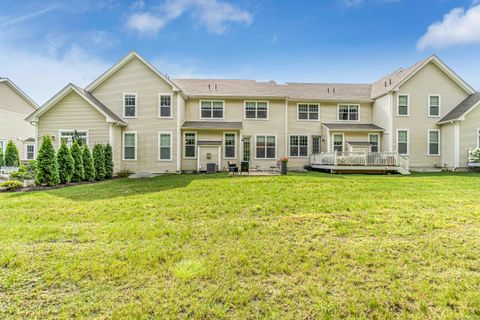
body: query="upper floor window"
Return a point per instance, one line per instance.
(211, 109)
(165, 105)
(403, 105)
(434, 106)
(30, 152)
(298, 146)
(130, 145)
(229, 145)
(190, 144)
(402, 141)
(256, 110)
(434, 142)
(308, 111)
(266, 147)
(69, 135)
(348, 112)
(129, 105)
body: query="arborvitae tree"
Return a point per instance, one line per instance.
(11, 155)
(47, 166)
(99, 162)
(88, 169)
(108, 162)
(2, 163)
(65, 163)
(78, 172)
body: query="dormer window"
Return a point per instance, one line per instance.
(129, 105)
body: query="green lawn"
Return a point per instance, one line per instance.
(303, 246)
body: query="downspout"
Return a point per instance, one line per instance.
(178, 134)
(286, 127)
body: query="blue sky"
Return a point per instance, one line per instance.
(46, 44)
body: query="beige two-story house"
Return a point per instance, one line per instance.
(15, 105)
(157, 124)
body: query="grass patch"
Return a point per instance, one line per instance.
(211, 246)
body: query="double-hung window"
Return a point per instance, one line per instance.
(298, 146)
(164, 146)
(307, 111)
(348, 112)
(211, 109)
(129, 105)
(434, 142)
(256, 110)
(70, 135)
(402, 141)
(434, 106)
(164, 105)
(30, 152)
(266, 147)
(403, 105)
(229, 150)
(338, 142)
(130, 145)
(374, 139)
(190, 144)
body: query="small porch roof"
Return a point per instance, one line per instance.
(213, 125)
(368, 127)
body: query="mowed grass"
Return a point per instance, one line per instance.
(304, 246)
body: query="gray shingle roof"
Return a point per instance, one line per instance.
(352, 127)
(212, 125)
(462, 107)
(329, 91)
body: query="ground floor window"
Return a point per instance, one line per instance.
(316, 140)
(298, 146)
(246, 149)
(229, 145)
(164, 146)
(338, 142)
(433, 142)
(266, 147)
(129, 146)
(70, 135)
(3, 145)
(374, 140)
(30, 152)
(190, 145)
(402, 141)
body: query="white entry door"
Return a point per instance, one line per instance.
(208, 154)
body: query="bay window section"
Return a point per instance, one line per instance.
(265, 147)
(229, 145)
(298, 146)
(211, 109)
(190, 144)
(129, 146)
(164, 146)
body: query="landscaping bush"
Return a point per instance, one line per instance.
(78, 171)
(474, 155)
(99, 162)
(2, 161)
(24, 172)
(12, 158)
(124, 173)
(12, 185)
(108, 162)
(47, 166)
(89, 170)
(65, 163)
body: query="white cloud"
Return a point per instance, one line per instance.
(459, 27)
(215, 15)
(10, 21)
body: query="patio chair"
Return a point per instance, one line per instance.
(232, 167)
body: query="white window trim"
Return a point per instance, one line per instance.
(171, 145)
(308, 104)
(4, 144)
(184, 145)
(428, 143)
(308, 144)
(379, 143)
(171, 105)
(242, 150)
(349, 105)
(256, 110)
(408, 142)
(333, 140)
(25, 149)
(235, 146)
(439, 105)
(136, 105)
(408, 105)
(72, 130)
(255, 147)
(212, 101)
(123, 145)
(478, 135)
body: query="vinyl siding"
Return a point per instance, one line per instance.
(11, 101)
(381, 113)
(468, 135)
(429, 80)
(136, 77)
(14, 127)
(448, 145)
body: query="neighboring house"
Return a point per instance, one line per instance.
(15, 105)
(156, 124)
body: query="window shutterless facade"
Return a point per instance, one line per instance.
(338, 142)
(229, 145)
(348, 112)
(256, 110)
(164, 146)
(403, 105)
(69, 136)
(374, 139)
(434, 106)
(434, 142)
(265, 147)
(129, 105)
(190, 145)
(30, 152)
(308, 111)
(129, 145)
(211, 109)
(402, 141)
(298, 146)
(165, 105)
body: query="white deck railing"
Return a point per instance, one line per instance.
(370, 159)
